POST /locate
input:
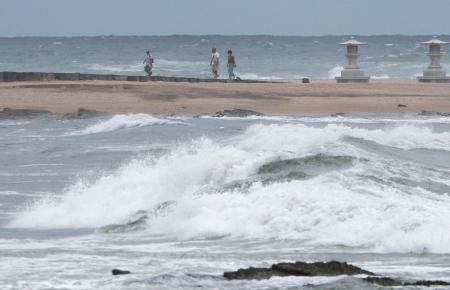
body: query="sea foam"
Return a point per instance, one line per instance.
(362, 206)
(124, 121)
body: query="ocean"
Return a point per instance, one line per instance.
(258, 57)
(179, 200)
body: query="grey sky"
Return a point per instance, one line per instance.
(279, 17)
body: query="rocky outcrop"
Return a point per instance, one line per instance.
(389, 282)
(240, 113)
(383, 281)
(332, 268)
(427, 283)
(8, 113)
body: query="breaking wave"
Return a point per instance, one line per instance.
(335, 72)
(330, 186)
(124, 121)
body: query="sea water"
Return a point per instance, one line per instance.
(258, 57)
(179, 200)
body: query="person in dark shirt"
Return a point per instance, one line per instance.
(231, 65)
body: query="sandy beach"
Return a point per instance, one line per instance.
(289, 97)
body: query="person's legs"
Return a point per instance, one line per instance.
(148, 70)
(230, 72)
(215, 70)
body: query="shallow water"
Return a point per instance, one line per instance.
(178, 201)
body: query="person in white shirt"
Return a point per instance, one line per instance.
(215, 63)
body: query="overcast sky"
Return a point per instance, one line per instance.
(278, 17)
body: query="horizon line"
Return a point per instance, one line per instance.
(221, 35)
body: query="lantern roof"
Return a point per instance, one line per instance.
(434, 40)
(352, 41)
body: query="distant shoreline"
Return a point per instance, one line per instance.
(188, 98)
(220, 35)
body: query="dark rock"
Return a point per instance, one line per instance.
(21, 113)
(383, 281)
(241, 113)
(305, 80)
(332, 268)
(338, 115)
(83, 113)
(116, 272)
(427, 283)
(253, 274)
(401, 106)
(433, 113)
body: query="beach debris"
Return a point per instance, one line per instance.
(9, 113)
(240, 113)
(332, 268)
(401, 106)
(116, 272)
(305, 80)
(338, 115)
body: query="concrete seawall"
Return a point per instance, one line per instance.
(7, 76)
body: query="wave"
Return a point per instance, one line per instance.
(212, 191)
(380, 77)
(253, 76)
(130, 68)
(124, 121)
(335, 72)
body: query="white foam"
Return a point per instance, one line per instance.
(129, 68)
(124, 121)
(253, 76)
(335, 72)
(338, 208)
(380, 77)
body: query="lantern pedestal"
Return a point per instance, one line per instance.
(434, 72)
(352, 73)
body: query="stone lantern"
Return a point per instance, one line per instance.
(352, 73)
(434, 72)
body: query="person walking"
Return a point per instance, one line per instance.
(215, 63)
(148, 61)
(231, 65)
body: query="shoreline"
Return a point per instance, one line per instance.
(187, 98)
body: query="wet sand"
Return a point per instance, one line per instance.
(290, 97)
